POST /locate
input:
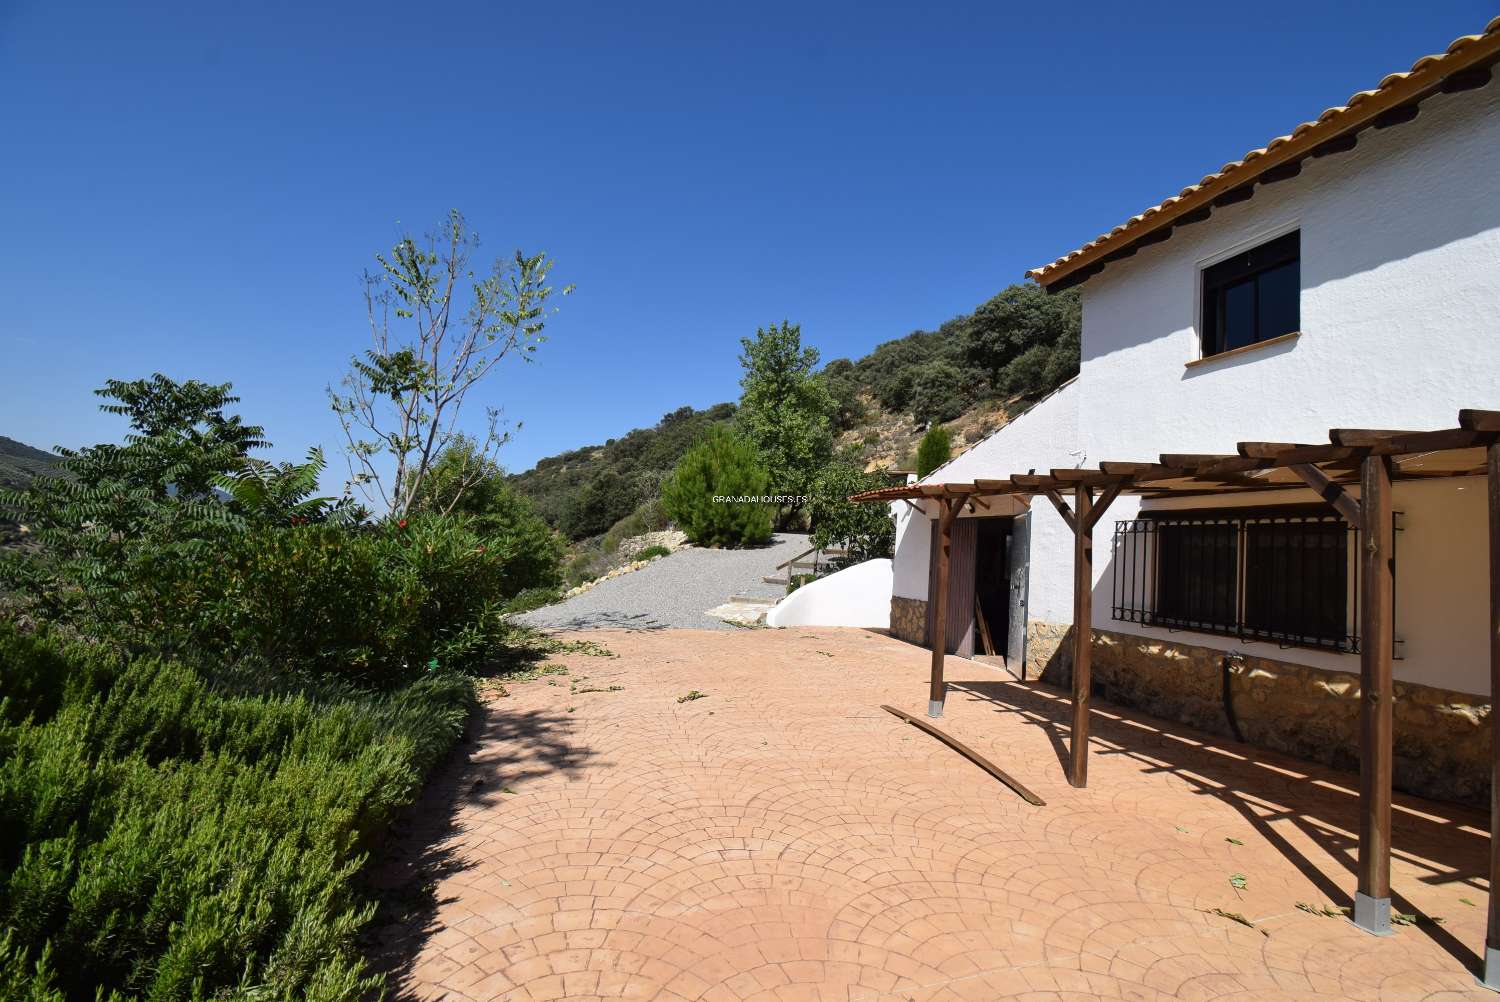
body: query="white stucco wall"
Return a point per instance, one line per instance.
(1400, 301)
(1400, 328)
(912, 551)
(1043, 438)
(855, 596)
(1400, 319)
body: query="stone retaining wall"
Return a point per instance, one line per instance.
(1442, 741)
(909, 620)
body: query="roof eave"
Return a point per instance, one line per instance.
(1363, 110)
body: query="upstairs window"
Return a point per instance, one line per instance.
(1253, 296)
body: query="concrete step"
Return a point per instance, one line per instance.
(746, 610)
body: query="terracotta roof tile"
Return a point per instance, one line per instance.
(1395, 89)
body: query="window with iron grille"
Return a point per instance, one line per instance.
(1284, 575)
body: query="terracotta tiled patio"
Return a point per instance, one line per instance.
(784, 838)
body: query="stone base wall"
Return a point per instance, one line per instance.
(1442, 738)
(1049, 653)
(909, 620)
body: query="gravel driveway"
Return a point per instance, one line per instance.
(674, 592)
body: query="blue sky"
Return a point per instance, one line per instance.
(196, 188)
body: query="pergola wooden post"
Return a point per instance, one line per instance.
(937, 693)
(1372, 901)
(1371, 515)
(1082, 518)
(1492, 933)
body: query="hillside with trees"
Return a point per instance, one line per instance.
(20, 462)
(967, 376)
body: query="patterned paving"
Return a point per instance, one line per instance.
(785, 839)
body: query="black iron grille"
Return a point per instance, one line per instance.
(1288, 577)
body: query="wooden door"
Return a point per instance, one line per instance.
(960, 631)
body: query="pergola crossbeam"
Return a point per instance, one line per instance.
(1062, 508)
(1479, 420)
(1334, 493)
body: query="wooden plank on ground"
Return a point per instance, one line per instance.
(970, 754)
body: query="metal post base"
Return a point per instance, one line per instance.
(934, 707)
(1491, 978)
(1373, 915)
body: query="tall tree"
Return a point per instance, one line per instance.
(439, 328)
(714, 494)
(866, 531)
(935, 449)
(786, 409)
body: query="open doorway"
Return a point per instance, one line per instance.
(992, 589)
(987, 587)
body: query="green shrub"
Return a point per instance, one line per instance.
(172, 835)
(583, 567)
(935, 449)
(606, 499)
(464, 482)
(652, 552)
(722, 465)
(649, 517)
(376, 606)
(533, 598)
(865, 530)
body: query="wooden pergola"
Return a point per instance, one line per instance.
(1369, 459)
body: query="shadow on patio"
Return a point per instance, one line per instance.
(499, 750)
(1435, 844)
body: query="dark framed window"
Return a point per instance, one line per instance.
(1253, 296)
(1280, 574)
(1297, 579)
(1196, 574)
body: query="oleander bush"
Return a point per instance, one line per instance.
(376, 606)
(175, 833)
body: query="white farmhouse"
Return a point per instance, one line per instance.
(1346, 276)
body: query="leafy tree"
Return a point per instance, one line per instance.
(283, 493)
(605, 500)
(934, 450)
(941, 391)
(438, 331)
(843, 388)
(113, 518)
(722, 465)
(865, 530)
(785, 409)
(1025, 339)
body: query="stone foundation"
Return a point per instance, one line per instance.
(1442, 739)
(909, 620)
(1049, 652)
